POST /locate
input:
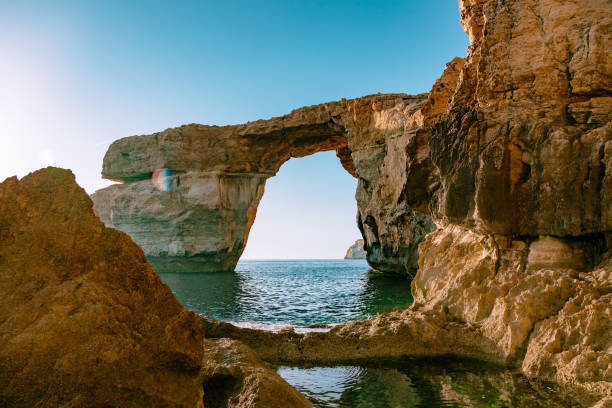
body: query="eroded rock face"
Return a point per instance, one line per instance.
(522, 150)
(201, 216)
(504, 290)
(514, 166)
(576, 343)
(524, 197)
(510, 154)
(475, 297)
(84, 320)
(201, 224)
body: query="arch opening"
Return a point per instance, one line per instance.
(292, 272)
(214, 177)
(307, 212)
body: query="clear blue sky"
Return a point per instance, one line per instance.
(76, 75)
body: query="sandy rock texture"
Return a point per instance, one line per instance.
(524, 197)
(216, 177)
(524, 147)
(84, 320)
(356, 251)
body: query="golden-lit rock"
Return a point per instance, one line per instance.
(502, 174)
(522, 148)
(576, 343)
(511, 156)
(235, 377)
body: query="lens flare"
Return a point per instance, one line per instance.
(162, 179)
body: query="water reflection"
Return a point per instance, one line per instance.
(425, 384)
(291, 292)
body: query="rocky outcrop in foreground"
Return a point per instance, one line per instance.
(84, 320)
(356, 251)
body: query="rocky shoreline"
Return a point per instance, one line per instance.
(492, 192)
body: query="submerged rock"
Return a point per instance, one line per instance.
(84, 320)
(356, 251)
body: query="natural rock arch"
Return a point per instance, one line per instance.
(216, 178)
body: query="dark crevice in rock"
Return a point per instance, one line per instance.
(134, 178)
(371, 223)
(218, 389)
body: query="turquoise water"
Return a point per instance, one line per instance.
(274, 294)
(298, 293)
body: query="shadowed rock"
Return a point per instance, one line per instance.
(509, 155)
(525, 146)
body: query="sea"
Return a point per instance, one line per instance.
(276, 294)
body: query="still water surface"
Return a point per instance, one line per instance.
(275, 294)
(423, 384)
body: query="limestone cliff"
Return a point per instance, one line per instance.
(356, 251)
(200, 225)
(84, 320)
(524, 147)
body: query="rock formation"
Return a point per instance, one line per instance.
(523, 153)
(200, 225)
(356, 251)
(84, 320)
(215, 177)
(515, 169)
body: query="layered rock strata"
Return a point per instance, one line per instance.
(84, 320)
(201, 224)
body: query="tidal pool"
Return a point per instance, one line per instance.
(299, 293)
(425, 384)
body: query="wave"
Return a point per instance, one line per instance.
(276, 327)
